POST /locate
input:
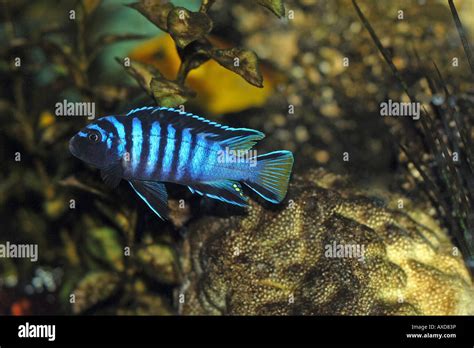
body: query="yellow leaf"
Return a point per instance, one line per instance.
(218, 90)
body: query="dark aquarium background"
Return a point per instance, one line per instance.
(379, 216)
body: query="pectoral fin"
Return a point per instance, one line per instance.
(154, 194)
(112, 175)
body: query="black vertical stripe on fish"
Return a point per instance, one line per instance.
(137, 142)
(146, 128)
(161, 151)
(128, 136)
(178, 138)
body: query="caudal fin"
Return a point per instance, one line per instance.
(270, 179)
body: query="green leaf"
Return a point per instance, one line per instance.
(94, 288)
(186, 26)
(104, 245)
(156, 11)
(276, 6)
(240, 61)
(169, 93)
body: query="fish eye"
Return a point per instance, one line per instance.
(94, 137)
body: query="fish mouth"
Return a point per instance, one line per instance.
(77, 151)
(73, 147)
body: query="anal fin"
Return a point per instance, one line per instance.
(224, 190)
(154, 194)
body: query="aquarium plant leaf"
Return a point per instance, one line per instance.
(104, 246)
(156, 11)
(462, 35)
(72, 181)
(186, 26)
(385, 53)
(206, 5)
(193, 55)
(276, 6)
(241, 61)
(446, 184)
(169, 93)
(141, 72)
(93, 289)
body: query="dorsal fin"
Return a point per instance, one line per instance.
(237, 138)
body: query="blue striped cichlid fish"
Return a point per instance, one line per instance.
(153, 145)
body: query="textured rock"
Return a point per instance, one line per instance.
(275, 262)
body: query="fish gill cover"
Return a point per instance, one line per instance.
(373, 99)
